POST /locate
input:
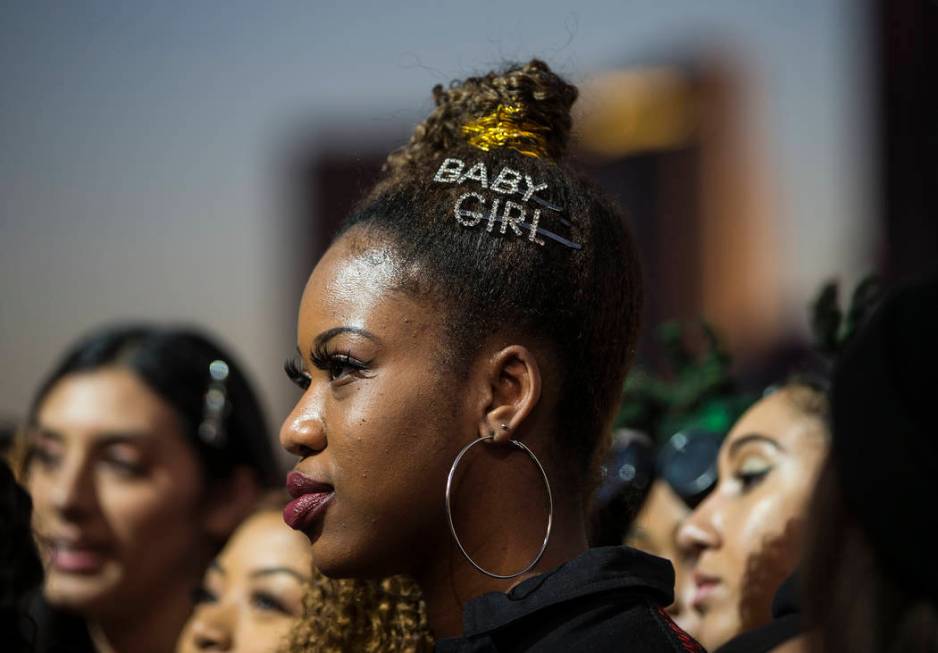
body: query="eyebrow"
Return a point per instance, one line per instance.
(40, 431)
(329, 334)
(267, 571)
(753, 437)
(124, 437)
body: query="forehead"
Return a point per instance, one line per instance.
(359, 283)
(777, 418)
(106, 399)
(264, 541)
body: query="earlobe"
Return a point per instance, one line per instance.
(516, 389)
(229, 502)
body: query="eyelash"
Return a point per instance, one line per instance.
(751, 479)
(44, 457)
(124, 467)
(203, 595)
(337, 365)
(260, 600)
(265, 601)
(296, 373)
(50, 460)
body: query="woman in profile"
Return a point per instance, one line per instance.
(745, 538)
(462, 346)
(146, 447)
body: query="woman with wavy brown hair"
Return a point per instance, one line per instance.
(462, 346)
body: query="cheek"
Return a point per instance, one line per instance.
(38, 488)
(758, 519)
(162, 508)
(262, 634)
(388, 436)
(781, 500)
(764, 515)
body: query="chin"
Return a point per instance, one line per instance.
(346, 558)
(717, 629)
(85, 595)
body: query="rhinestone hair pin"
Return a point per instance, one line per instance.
(499, 204)
(212, 428)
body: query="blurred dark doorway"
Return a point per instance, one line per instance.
(907, 32)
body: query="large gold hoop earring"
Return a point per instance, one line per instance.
(449, 512)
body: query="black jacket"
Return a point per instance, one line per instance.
(607, 599)
(57, 631)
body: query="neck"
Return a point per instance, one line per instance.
(153, 629)
(452, 582)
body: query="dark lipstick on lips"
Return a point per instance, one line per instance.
(310, 499)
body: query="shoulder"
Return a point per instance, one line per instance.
(597, 625)
(606, 600)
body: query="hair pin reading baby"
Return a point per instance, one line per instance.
(507, 182)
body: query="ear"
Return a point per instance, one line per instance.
(515, 384)
(229, 502)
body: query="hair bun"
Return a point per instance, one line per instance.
(543, 98)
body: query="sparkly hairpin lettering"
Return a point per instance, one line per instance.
(472, 207)
(212, 429)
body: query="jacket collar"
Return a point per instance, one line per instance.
(604, 569)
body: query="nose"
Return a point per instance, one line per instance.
(701, 530)
(211, 628)
(303, 432)
(72, 492)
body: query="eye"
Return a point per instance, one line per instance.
(752, 471)
(46, 457)
(124, 460)
(338, 365)
(295, 372)
(268, 602)
(123, 467)
(203, 594)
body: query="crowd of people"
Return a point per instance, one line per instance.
(474, 470)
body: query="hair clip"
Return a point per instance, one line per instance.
(550, 207)
(494, 206)
(212, 430)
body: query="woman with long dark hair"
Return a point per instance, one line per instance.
(870, 578)
(146, 447)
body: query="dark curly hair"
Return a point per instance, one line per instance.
(582, 304)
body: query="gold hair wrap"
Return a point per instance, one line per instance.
(506, 127)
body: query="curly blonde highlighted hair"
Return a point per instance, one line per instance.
(361, 615)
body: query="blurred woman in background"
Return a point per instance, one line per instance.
(252, 594)
(145, 448)
(262, 594)
(870, 577)
(744, 538)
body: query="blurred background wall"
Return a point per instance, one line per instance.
(177, 161)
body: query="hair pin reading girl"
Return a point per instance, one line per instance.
(513, 214)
